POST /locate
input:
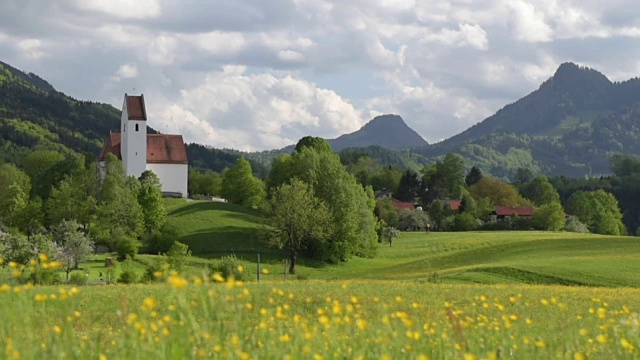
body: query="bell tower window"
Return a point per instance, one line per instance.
(136, 127)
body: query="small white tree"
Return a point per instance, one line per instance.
(74, 246)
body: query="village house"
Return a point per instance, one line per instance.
(400, 205)
(452, 204)
(502, 213)
(165, 155)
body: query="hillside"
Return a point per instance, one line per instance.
(570, 126)
(34, 115)
(213, 230)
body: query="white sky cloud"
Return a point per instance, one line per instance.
(261, 74)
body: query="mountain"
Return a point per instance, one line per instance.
(35, 116)
(570, 126)
(387, 131)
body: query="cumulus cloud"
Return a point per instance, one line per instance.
(231, 108)
(126, 71)
(261, 74)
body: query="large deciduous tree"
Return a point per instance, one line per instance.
(150, 199)
(540, 191)
(297, 219)
(599, 210)
(497, 191)
(354, 225)
(549, 217)
(119, 211)
(239, 186)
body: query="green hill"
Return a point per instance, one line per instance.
(213, 230)
(570, 126)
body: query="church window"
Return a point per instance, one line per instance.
(136, 127)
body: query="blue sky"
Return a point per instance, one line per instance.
(255, 74)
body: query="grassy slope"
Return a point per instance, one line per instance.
(212, 229)
(216, 229)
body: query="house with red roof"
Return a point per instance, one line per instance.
(501, 212)
(452, 204)
(165, 155)
(399, 205)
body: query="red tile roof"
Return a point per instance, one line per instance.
(166, 149)
(135, 107)
(453, 204)
(112, 145)
(514, 210)
(161, 149)
(399, 205)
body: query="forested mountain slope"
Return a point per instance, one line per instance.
(570, 126)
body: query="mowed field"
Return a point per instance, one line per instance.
(213, 230)
(477, 295)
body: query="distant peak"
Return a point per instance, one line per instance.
(570, 76)
(387, 119)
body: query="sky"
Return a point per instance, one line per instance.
(260, 74)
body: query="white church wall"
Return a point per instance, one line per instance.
(172, 176)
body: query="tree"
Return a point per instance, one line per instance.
(468, 205)
(452, 170)
(316, 143)
(118, 212)
(540, 191)
(387, 212)
(37, 164)
(297, 219)
(239, 186)
(353, 223)
(409, 187)
(388, 233)
(497, 191)
(15, 247)
(204, 183)
(72, 199)
(549, 217)
(624, 165)
(599, 210)
(473, 176)
(9, 176)
(74, 246)
(150, 200)
(177, 255)
(523, 176)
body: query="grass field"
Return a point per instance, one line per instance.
(319, 319)
(213, 230)
(477, 295)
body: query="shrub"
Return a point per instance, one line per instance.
(127, 247)
(574, 224)
(178, 255)
(414, 220)
(78, 278)
(156, 270)
(464, 222)
(231, 266)
(160, 242)
(128, 277)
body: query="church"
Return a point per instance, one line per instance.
(165, 155)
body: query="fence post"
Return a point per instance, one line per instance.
(258, 267)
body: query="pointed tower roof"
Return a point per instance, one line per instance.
(135, 107)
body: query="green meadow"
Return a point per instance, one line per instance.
(469, 295)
